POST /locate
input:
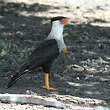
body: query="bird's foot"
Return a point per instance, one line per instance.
(65, 50)
(48, 88)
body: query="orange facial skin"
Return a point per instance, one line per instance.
(64, 21)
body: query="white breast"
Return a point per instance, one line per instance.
(57, 34)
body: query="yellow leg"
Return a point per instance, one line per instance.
(46, 82)
(65, 50)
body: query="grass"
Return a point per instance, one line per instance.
(12, 52)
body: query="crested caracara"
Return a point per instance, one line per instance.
(46, 53)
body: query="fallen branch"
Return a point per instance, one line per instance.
(33, 99)
(30, 99)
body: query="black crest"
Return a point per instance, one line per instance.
(57, 18)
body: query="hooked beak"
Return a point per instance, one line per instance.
(72, 22)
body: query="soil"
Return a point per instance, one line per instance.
(82, 74)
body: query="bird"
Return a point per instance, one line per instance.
(46, 53)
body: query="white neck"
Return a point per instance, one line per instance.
(57, 34)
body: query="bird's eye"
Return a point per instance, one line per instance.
(64, 21)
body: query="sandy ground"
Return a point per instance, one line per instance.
(82, 76)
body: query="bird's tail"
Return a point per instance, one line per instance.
(14, 79)
(23, 69)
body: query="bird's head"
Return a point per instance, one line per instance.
(57, 26)
(62, 20)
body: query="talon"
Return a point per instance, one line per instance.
(48, 88)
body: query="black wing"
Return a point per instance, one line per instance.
(45, 53)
